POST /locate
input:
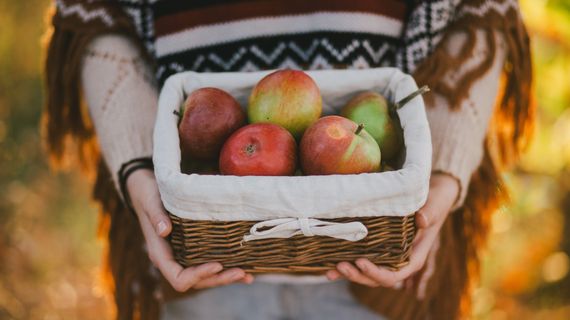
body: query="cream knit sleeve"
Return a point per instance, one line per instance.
(122, 99)
(458, 135)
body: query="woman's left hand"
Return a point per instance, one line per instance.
(442, 195)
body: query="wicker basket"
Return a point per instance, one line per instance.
(196, 242)
(213, 216)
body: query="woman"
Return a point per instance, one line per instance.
(106, 51)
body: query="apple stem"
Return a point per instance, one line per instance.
(410, 97)
(360, 127)
(176, 112)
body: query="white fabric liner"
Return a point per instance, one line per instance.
(231, 198)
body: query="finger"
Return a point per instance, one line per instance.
(160, 253)
(248, 279)
(333, 275)
(429, 215)
(183, 279)
(440, 200)
(422, 219)
(354, 275)
(155, 243)
(148, 203)
(389, 278)
(221, 279)
(421, 278)
(381, 276)
(158, 217)
(421, 249)
(411, 281)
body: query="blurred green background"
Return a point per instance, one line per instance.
(50, 255)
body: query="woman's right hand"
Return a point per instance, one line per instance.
(156, 225)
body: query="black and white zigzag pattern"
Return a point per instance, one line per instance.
(142, 14)
(423, 31)
(322, 50)
(78, 9)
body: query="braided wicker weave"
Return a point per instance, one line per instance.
(195, 242)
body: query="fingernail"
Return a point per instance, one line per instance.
(161, 227)
(345, 270)
(236, 275)
(216, 268)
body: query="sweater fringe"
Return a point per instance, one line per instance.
(69, 137)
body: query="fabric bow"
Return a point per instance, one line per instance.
(289, 227)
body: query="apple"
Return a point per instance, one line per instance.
(209, 167)
(210, 116)
(384, 167)
(372, 110)
(288, 98)
(261, 149)
(337, 145)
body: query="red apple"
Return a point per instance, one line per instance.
(210, 116)
(288, 98)
(261, 149)
(336, 145)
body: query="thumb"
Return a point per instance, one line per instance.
(428, 214)
(159, 218)
(443, 191)
(423, 219)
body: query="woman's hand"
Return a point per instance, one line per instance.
(443, 192)
(156, 225)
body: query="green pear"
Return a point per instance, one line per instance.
(372, 110)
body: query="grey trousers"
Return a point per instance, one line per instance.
(271, 301)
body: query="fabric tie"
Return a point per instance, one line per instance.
(289, 227)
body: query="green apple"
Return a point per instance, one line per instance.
(372, 110)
